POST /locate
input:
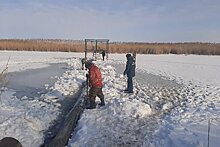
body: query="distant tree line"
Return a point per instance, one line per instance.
(114, 47)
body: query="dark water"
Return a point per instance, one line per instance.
(31, 83)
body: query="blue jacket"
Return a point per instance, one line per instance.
(130, 67)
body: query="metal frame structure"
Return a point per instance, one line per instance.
(96, 41)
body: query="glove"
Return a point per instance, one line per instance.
(84, 83)
(121, 76)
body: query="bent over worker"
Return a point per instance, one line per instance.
(95, 83)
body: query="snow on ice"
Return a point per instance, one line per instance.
(174, 98)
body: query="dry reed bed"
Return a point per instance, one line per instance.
(115, 47)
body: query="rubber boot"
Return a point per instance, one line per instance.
(92, 104)
(102, 102)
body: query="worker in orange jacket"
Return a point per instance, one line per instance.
(95, 84)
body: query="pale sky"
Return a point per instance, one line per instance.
(117, 20)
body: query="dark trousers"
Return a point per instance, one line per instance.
(93, 92)
(130, 84)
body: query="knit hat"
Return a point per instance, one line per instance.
(88, 64)
(128, 55)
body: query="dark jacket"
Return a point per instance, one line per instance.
(130, 67)
(103, 53)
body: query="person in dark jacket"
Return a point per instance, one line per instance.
(83, 62)
(103, 55)
(95, 84)
(130, 72)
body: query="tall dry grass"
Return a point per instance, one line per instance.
(40, 45)
(114, 47)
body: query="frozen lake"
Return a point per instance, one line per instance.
(33, 82)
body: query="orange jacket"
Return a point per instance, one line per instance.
(95, 77)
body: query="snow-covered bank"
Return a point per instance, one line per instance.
(121, 122)
(178, 114)
(28, 117)
(175, 96)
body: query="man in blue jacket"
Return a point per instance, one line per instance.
(130, 72)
